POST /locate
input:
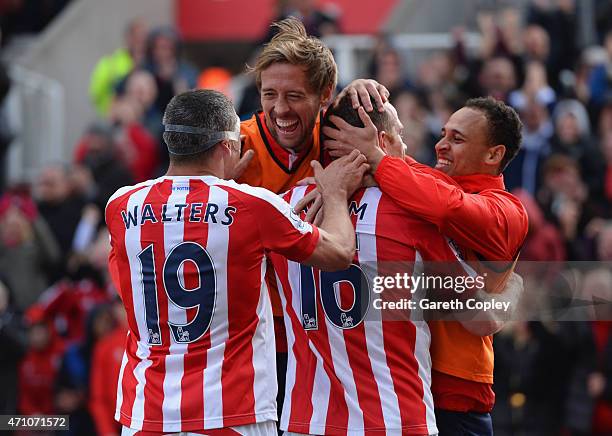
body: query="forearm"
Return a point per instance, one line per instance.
(338, 228)
(481, 222)
(501, 308)
(411, 189)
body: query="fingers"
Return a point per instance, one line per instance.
(384, 94)
(243, 163)
(318, 218)
(336, 152)
(336, 148)
(340, 123)
(364, 96)
(354, 97)
(332, 133)
(357, 158)
(306, 181)
(306, 200)
(365, 119)
(374, 93)
(313, 210)
(352, 158)
(316, 166)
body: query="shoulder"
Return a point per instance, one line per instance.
(506, 201)
(125, 191)
(247, 192)
(123, 194)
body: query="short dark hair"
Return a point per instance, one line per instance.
(344, 109)
(504, 126)
(202, 108)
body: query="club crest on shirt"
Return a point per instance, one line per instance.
(347, 321)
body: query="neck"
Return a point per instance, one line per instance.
(195, 170)
(300, 148)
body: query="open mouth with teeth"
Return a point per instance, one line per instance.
(443, 162)
(286, 126)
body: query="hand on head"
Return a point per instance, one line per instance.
(361, 90)
(346, 138)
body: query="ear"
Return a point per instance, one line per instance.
(224, 148)
(382, 136)
(495, 155)
(326, 96)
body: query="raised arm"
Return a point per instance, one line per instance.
(492, 222)
(336, 246)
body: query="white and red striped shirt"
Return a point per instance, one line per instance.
(348, 373)
(188, 257)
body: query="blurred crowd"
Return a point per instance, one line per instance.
(62, 327)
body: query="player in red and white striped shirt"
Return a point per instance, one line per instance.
(187, 256)
(349, 371)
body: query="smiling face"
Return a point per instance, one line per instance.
(290, 105)
(463, 147)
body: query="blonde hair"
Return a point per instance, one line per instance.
(292, 45)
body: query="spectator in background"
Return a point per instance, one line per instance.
(595, 370)
(543, 241)
(604, 121)
(319, 22)
(600, 79)
(13, 342)
(137, 148)
(140, 87)
(111, 69)
(524, 170)
(28, 249)
(572, 137)
(72, 384)
(388, 71)
(70, 300)
(534, 365)
(497, 78)
(106, 364)
(38, 370)
(604, 243)
(563, 196)
(606, 148)
(97, 151)
(501, 41)
(172, 75)
(557, 20)
(419, 141)
(60, 208)
(535, 87)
